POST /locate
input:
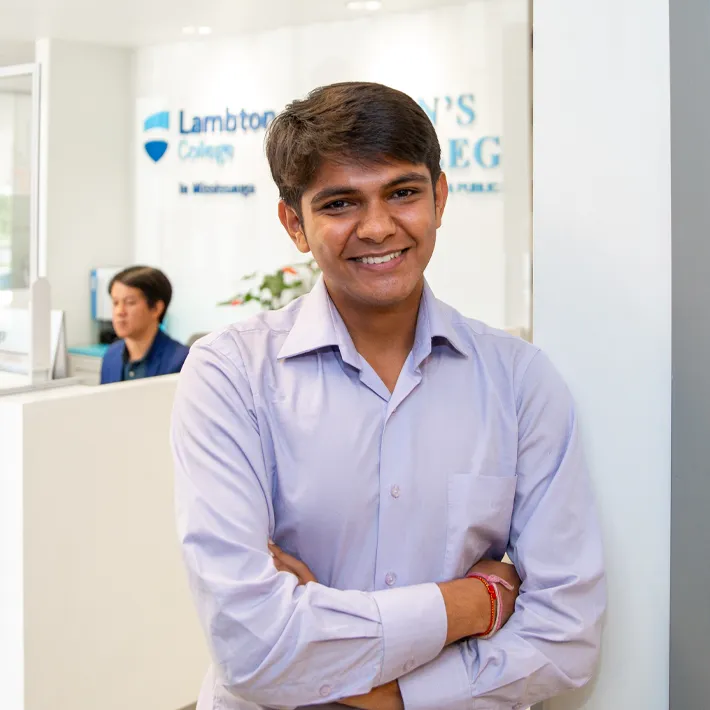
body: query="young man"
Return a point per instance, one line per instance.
(141, 296)
(372, 438)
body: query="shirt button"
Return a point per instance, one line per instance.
(395, 491)
(390, 579)
(131, 373)
(408, 665)
(324, 691)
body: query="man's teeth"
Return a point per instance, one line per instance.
(379, 259)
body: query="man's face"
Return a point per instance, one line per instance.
(371, 228)
(132, 316)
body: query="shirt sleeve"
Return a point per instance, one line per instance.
(274, 643)
(551, 642)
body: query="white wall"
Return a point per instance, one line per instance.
(602, 300)
(205, 243)
(16, 52)
(12, 667)
(108, 621)
(86, 161)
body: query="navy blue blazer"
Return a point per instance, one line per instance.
(165, 357)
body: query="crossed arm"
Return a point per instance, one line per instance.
(467, 613)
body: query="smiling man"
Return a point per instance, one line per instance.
(351, 469)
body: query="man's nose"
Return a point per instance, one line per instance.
(376, 224)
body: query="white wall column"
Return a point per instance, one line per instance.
(602, 302)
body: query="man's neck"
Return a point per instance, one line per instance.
(139, 345)
(384, 336)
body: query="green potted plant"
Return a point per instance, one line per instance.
(274, 290)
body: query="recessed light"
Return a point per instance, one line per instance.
(369, 5)
(204, 31)
(188, 30)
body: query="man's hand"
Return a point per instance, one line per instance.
(509, 574)
(386, 697)
(288, 563)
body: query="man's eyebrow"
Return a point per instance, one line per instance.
(407, 177)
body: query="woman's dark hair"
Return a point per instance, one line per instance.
(153, 283)
(352, 121)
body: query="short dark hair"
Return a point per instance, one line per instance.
(153, 283)
(360, 121)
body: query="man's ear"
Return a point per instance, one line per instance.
(441, 193)
(292, 224)
(159, 308)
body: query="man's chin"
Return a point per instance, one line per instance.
(387, 298)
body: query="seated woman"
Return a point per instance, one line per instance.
(141, 296)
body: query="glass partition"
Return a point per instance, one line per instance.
(15, 180)
(24, 331)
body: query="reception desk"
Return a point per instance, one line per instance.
(94, 606)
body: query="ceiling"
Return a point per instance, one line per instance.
(134, 23)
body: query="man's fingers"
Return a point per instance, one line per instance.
(278, 553)
(287, 559)
(280, 566)
(291, 564)
(282, 560)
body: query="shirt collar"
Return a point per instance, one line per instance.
(318, 325)
(433, 324)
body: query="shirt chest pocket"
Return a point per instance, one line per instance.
(479, 510)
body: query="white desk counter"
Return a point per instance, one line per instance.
(94, 606)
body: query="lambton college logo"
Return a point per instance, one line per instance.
(156, 148)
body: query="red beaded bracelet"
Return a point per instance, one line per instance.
(494, 604)
(491, 582)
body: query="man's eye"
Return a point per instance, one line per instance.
(404, 192)
(336, 205)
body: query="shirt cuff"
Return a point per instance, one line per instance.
(414, 627)
(442, 684)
